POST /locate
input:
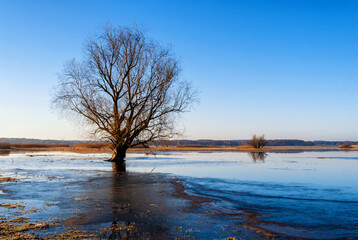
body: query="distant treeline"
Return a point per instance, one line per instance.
(183, 142)
(232, 143)
(37, 145)
(40, 141)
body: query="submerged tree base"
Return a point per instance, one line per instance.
(118, 160)
(119, 167)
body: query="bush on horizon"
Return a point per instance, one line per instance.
(258, 141)
(345, 145)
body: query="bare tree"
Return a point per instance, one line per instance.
(127, 88)
(257, 141)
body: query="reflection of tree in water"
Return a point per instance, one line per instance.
(126, 206)
(258, 156)
(118, 167)
(133, 201)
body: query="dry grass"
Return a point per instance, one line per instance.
(20, 228)
(345, 145)
(90, 148)
(245, 147)
(4, 152)
(91, 145)
(11, 205)
(195, 146)
(14, 146)
(7, 179)
(81, 199)
(4, 146)
(104, 148)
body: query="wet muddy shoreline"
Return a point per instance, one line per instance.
(126, 206)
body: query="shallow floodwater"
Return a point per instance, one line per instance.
(307, 195)
(310, 194)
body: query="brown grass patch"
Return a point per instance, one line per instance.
(12, 205)
(91, 145)
(16, 228)
(245, 147)
(4, 145)
(194, 146)
(345, 145)
(15, 146)
(81, 199)
(7, 179)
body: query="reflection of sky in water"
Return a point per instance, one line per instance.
(315, 190)
(323, 168)
(318, 190)
(339, 169)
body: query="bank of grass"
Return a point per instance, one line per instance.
(23, 228)
(4, 146)
(89, 148)
(105, 148)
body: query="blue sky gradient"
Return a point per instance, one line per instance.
(286, 69)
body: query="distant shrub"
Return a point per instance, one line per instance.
(194, 146)
(345, 145)
(258, 141)
(5, 145)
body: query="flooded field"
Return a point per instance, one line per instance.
(211, 195)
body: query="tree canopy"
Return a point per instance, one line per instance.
(127, 88)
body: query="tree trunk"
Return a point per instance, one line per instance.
(118, 162)
(119, 167)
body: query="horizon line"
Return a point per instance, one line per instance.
(183, 139)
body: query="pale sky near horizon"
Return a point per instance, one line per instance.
(286, 69)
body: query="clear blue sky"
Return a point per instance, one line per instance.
(286, 69)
